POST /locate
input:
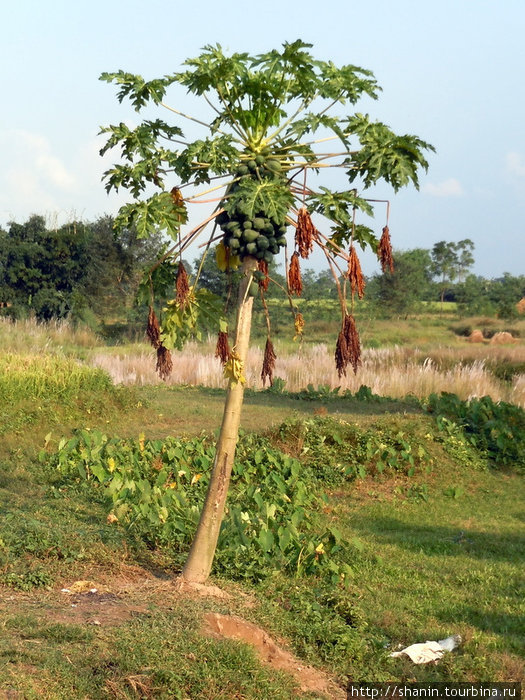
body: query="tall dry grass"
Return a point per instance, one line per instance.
(393, 372)
(30, 335)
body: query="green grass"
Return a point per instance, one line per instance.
(160, 654)
(432, 552)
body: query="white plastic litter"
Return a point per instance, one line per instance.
(426, 652)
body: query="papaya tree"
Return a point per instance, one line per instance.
(277, 123)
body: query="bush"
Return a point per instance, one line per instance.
(156, 489)
(498, 429)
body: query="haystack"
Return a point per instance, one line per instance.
(476, 337)
(502, 338)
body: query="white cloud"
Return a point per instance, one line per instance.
(32, 178)
(447, 188)
(33, 153)
(515, 164)
(35, 180)
(52, 168)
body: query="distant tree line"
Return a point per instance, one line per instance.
(80, 270)
(86, 272)
(443, 274)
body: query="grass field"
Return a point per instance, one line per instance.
(429, 528)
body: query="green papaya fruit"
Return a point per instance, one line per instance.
(274, 165)
(249, 235)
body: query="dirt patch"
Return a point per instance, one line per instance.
(96, 608)
(308, 678)
(199, 589)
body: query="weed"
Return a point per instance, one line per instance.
(496, 429)
(157, 488)
(337, 451)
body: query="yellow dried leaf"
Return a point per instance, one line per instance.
(234, 368)
(225, 260)
(299, 326)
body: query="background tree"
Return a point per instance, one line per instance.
(41, 268)
(450, 262)
(465, 259)
(270, 129)
(444, 265)
(506, 292)
(63, 272)
(401, 292)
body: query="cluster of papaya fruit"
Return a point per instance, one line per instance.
(260, 236)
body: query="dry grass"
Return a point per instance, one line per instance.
(395, 371)
(392, 372)
(31, 336)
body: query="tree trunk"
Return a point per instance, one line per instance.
(200, 559)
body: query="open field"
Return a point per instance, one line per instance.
(428, 530)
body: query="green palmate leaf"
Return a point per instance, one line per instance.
(158, 213)
(141, 141)
(346, 84)
(342, 235)
(136, 88)
(181, 323)
(159, 280)
(339, 206)
(252, 196)
(134, 178)
(206, 157)
(395, 159)
(212, 68)
(311, 122)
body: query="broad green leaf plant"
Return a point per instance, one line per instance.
(278, 121)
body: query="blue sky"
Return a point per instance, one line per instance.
(452, 72)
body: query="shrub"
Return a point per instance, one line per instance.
(156, 489)
(496, 428)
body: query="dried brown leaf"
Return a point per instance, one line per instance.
(348, 347)
(164, 362)
(384, 251)
(182, 286)
(222, 349)
(295, 283)
(268, 362)
(304, 233)
(153, 328)
(355, 275)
